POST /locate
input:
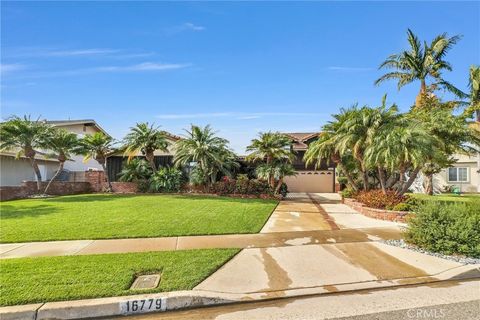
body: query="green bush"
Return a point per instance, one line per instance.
(452, 228)
(166, 180)
(378, 200)
(283, 189)
(242, 182)
(135, 170)
(402, 207)
(348, 193)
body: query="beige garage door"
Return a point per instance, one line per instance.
(311, 181)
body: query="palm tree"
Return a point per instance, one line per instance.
(421, 63)
(209, 152)
(270, 147)
(146, 139)
(401, 146)
(324, 148)
(358, 129)
(474, 95)
(26, 135)
(278, 170)
(63, 144)
(97, 146)
(135, 170)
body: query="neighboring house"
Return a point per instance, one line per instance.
(116, 160)
(309, 178)
(464, 173)
(81, 128)
(14, 171)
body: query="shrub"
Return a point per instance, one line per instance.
(166, 180)
(378, 200)
(257, 187)
(348, 193)
(135, 170)
(402, 207)
(446, 228)
(242, 183)
(225, 186)
(283, 189)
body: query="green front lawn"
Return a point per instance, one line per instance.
(100, 216)
(31, 280)
(447, 197)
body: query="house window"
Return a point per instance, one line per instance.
(458, 174)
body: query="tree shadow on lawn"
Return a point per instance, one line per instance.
(90, 198)
(14, 212)
(221, 198)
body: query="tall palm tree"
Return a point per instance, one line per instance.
(474, 94)
(401, 146)
(324, 148)
(209, 152)
(63, 144)
(97, 146)
(270, 147)
(358, 129)
(26, 135)
(145, 139)
(422, 62)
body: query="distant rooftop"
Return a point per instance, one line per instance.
(60, 123)
(300, 138)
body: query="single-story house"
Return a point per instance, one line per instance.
(14, 171)
(116, 160)
(464, 174)
(309, 178)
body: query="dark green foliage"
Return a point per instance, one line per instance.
(348, 193)
(135, 170)
(166, 180)
(242, 186)
(283, 189)
(452, 228)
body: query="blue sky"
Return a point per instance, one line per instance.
(242, 67)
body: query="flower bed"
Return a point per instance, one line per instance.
(382, 214)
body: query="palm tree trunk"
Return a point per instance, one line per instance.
(60, 169)
(279, 185)
(349, 177)
(151, 160)
(37, 172)
(109, 189)
(381, 177)
(429, 186)
(423, 91)
(412, 178)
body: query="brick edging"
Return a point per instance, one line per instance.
(381, 214)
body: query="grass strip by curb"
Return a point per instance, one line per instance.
(45, 279)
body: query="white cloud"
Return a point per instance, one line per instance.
(145, 66)
(187, 26)
(78, 52)
(11, 67)
(193, 27)
(348, 69)
(237, 115)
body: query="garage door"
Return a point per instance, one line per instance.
(311, 181)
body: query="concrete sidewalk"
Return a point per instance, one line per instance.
(259, 240)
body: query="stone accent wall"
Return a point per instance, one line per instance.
(12, 193)
(382, 214)
(96, 180)
(56, 188)
(124, 187)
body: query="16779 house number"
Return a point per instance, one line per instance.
(142, 306)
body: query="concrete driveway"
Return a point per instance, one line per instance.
(329, 265)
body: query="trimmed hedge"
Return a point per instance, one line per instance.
(449, 228)
(378, 200)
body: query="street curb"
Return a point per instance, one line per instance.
(160, 302)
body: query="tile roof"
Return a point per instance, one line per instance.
(300, 138)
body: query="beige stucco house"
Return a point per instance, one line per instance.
(464, 173)
(14, 171)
